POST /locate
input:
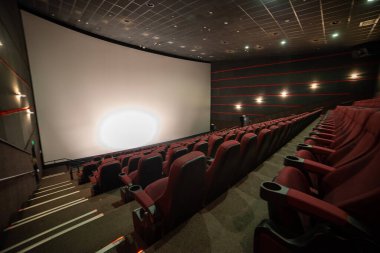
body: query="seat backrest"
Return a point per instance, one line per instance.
(213, 143)
(109, 175)
(185, 189)
(239, 135)
(263, 141)
(124, 160)
(367, 141)
(201, 146)
(149, 169)
(133, 162)
(220, 174)
(248, 154)
(230, 136)
(359, 192)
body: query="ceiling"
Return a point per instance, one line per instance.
(215, 30)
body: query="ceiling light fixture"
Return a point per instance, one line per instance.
(150, 4)
(335, 35)
(246, 47)
(210, 12)
(170, 42)
(225, 22)
(182, 46)
(283, 42)
(1, 44)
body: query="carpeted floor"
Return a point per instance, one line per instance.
(225, 225)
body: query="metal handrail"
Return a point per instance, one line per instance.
(15, 176)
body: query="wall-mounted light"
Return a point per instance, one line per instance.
(284, 93)
(21, 95)
(259, 100)
(314, 85)
(354, 75)
(283, 42)
(238, 106)
(335, 35)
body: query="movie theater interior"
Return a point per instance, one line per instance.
(190, 126)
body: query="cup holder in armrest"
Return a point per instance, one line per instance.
(304, 147)
(293, 161)
(134, 188)
(273, 192)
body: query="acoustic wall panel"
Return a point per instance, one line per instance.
(94, 97)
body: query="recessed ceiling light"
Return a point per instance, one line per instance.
(287, 20)
(193, 50)
(175, 26)
(204, 39)
(170, 42)
(150, 4)
(314, 85)
(211, 56)
(210, 12)
(226, 22)
(246, 47)
(145, 34)
(237, 31)
(203, 53)
(283, 42)
(335, 35)
(87, 23)
(78, 20)
(370, 0)
(156, 37)
(182, 46)
(335, 22)
(1, 44)
(284, 93)
(259, 47)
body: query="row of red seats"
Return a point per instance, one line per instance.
(195, 180)
(104, 173)
(145, 169)
(327, 198)
(369, 103)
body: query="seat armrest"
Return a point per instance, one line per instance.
(308, 165)
(305, 203)
(316, 149)
(146, 202)
(324, 130)
(125, 179)
(323, 135)
(321, 141)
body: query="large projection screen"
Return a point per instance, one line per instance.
(95, 97)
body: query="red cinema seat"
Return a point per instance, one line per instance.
(171, 200)
(220, 173)
(172, 155)
(201, 146)
(106, 178)
(248, 153)
(214, 142)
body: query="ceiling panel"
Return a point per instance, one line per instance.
(216, 30)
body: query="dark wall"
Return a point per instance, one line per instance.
(242, 82)
(18, 128)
